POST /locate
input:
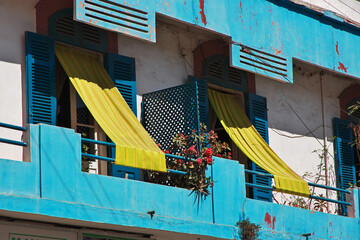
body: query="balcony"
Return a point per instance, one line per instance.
(52, 186)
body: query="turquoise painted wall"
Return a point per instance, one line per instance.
(277, 27)
(280, 28)
(52, 184)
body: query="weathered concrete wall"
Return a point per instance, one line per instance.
(290, 139)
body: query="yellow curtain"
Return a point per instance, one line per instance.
(245, 136)
(134, 146)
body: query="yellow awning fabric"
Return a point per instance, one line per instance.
(245, 136)
(134, 146)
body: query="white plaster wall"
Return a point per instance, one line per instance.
(163, 64)
(16, 17)
(350, 9)
(289, 138)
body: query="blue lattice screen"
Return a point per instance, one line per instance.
(171, 111)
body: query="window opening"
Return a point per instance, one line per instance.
(216, 125)
(73, 113)
(355, 119)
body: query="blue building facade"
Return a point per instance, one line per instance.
(47, 194)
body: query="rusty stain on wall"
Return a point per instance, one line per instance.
(202, 12)
(337, 48)
(273, 222)
(270, 223)
(342, 67)
(268, 219)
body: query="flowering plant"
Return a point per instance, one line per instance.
(197, 152)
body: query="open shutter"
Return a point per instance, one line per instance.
(203, 102)
(257, 112)
(122, 71)
(40, 79)
(344, 156)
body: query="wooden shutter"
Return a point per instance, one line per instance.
(216, 70)
(344, 156)
(257, 112)
(122, 71)
(203, 102)
(40, 79)
(63, 28)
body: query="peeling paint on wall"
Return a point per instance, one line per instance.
(268, 219)
(202, 12)
(342, 67)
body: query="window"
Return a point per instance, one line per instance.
(51, 99)
(180, 109)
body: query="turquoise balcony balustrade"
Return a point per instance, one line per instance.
(52, 185)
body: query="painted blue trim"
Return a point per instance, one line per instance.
(258, 186)
(6, 125)
(328, 187)
(330, 200)
(88, 140)
(180, 157)
(13, 142)
(92, 156)
(310, 184)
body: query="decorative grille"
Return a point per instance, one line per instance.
(171, 111)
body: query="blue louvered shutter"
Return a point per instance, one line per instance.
(257, 112)
(217, 70)
(344, 156)
(40, 79)
(203, 102)
(122, 71)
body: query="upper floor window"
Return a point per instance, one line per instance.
(63, 28)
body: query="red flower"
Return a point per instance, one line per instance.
(178, 161)
(193, 131)
(229, 153)
(218, 155)
(209, 160)
(199, 161)
(192, 150)
(229, 157)
(208, 152)
(167, 151)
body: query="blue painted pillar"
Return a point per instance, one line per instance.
(60, 160)
(21, 178)
(229, 191)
